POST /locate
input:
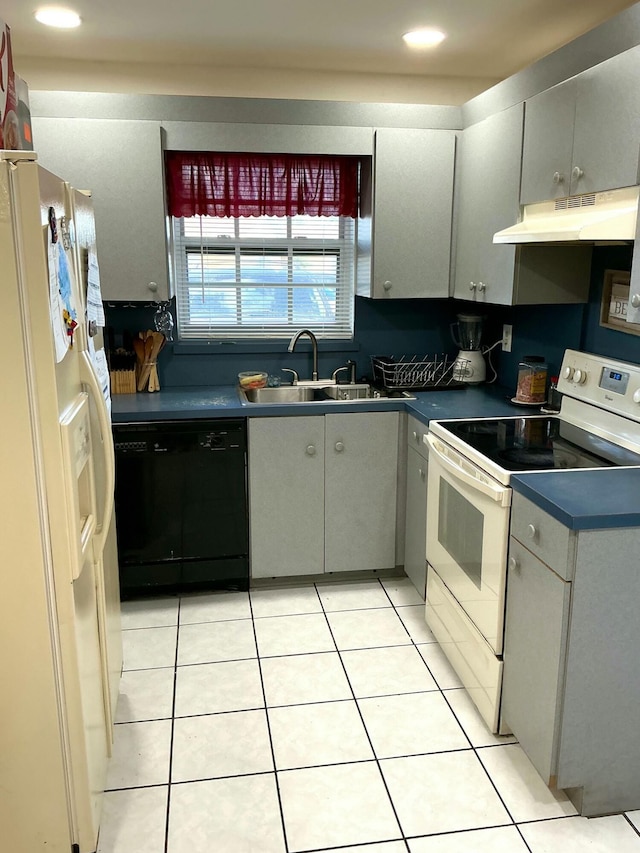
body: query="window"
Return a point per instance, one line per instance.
(262, 244)
(263, 276)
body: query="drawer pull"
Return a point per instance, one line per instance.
(532, 532)
(311, 450)
(514, 565)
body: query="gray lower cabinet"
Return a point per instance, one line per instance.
(415, 560)
(322, 493)
(571, 688)
(121, 163)
(487, 200)
(583, 135)
(535, 647)
(404, 236)
(286, 496)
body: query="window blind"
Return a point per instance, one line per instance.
(264, 277)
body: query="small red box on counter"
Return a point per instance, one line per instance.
(15, 119)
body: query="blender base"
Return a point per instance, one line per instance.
(470, 367)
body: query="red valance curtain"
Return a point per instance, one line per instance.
(234, 185)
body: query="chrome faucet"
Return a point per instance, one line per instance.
(314, 344)
(351, 367)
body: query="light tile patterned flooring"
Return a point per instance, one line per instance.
(317, 717)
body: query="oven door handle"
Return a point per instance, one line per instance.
(497, 493)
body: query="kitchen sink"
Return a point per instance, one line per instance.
(282, 394)
(316, 392)
(361, 391)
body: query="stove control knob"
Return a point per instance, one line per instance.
(580, 377)
(567, 373)
(636, 396)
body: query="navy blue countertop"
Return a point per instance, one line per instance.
(480, 401)
(581, 500)
(223, 402)
(214, 401)
(585, 500)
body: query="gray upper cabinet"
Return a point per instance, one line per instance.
(487, 192)
(487, 200)
(121, 163)
(584, 135)
(547, 151)
(405, 233)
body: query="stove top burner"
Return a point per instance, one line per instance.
(537, 443)
(527, 457)
(480, 428)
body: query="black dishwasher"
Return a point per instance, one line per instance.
(181, 506)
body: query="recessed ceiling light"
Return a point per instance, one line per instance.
(426, 37)
(56, 16)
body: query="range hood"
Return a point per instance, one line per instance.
(604, 217)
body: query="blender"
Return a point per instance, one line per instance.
(469, 365)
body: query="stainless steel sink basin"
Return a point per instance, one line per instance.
(316, 392)
(283, 394)
(350, 392)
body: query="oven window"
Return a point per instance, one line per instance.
(460, 530)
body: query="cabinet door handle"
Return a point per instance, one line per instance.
(514, 565)
(339, 446)
(311, 450)
(153, 286)
(577, 173)
(472, 285)
(422, 473)
(635, 300)
(532, 532)
(558, 178)
(387, 285)
(482, 286)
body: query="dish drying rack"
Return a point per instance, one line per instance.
(412, 373)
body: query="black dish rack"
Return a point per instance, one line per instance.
(413, 373)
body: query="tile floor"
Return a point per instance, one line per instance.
(317, 717)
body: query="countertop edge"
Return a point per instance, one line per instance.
(567, 499)
(550, 494)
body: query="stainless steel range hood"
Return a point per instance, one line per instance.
(605, 217)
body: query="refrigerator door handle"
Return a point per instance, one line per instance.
(90, 379)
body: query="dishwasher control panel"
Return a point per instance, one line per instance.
(179, 436)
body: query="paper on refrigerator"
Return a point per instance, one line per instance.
(95, 309)
(61, 339)
(99, 360)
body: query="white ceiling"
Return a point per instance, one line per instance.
(486, 38)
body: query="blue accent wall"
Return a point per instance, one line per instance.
(405, 327)
(382, 327)
(548, 330)
(599, 339)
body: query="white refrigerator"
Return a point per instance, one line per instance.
(60, 643)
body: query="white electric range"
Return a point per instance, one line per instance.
(469, 503)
